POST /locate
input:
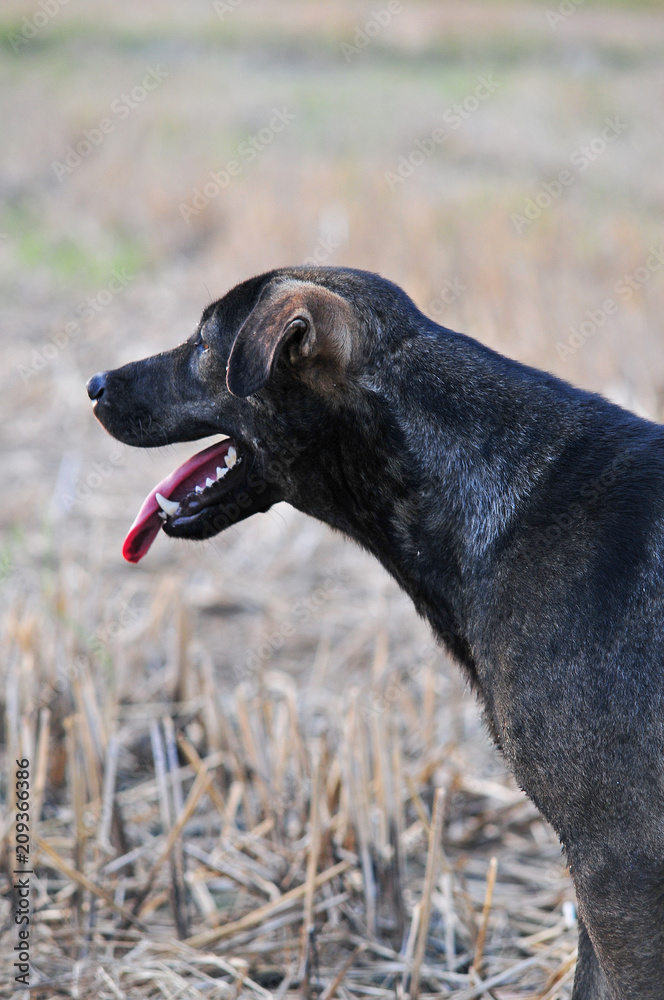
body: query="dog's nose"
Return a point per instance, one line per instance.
(96, 385)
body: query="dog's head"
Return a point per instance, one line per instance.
(283, 364)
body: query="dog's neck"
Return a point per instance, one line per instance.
(448, 478)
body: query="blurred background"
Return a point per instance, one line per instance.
(503, 163)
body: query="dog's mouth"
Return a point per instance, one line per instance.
(215, 488)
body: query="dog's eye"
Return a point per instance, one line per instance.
(204, 346)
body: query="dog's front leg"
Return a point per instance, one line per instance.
(589, 980)
(620, 889)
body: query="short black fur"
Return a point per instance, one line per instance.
(524, 517)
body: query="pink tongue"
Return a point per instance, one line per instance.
(182, 481)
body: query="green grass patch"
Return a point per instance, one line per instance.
(68, 260)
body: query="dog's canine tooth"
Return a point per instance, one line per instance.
(168, 506)
(231, 457)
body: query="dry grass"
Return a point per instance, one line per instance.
(282, 837)
(236, 791)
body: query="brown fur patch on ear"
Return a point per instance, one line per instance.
(321, 318)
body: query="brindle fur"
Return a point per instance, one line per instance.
(524, 517)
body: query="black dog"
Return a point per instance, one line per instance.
(524, 517)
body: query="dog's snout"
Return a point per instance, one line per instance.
(96, 386)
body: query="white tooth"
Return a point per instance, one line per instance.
(163, 515)
(209, 482)
(231, 457)
(199, 489)
(221, 473)
(170, 506)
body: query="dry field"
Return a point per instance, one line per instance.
(251, 772)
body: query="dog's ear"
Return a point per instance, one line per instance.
(314, 321)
